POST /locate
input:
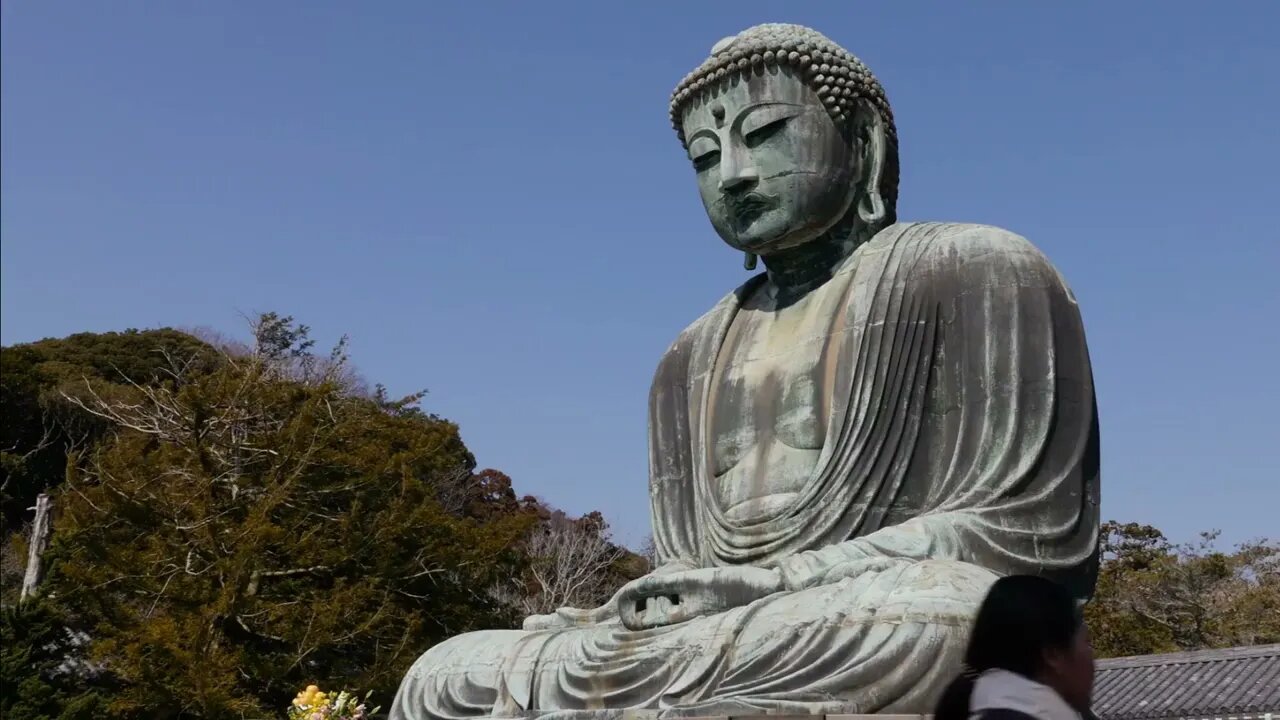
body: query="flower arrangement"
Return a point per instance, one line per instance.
(315, 704)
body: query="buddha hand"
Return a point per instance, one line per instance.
(658, 600)
(573, 617)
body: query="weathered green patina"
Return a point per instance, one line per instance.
(844, 453)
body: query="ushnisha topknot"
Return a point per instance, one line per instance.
(835, 74)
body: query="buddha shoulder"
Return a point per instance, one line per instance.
(674, 365)
(965, 255)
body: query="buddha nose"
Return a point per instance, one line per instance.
(737, 173)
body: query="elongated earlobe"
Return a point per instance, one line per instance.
(871, 207)
(870, 203)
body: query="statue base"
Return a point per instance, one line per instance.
(676, 714)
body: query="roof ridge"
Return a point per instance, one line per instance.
(1188, 657)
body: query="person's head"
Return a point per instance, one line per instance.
(1033, 627)
(790, 136)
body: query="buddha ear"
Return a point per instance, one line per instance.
(869, 127)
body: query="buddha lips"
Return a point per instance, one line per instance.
(746, 208)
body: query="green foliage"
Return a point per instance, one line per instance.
(249, 526)
(1154, 596)
(36, 648)
(39, 429)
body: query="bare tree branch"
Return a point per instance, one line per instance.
(569, 567)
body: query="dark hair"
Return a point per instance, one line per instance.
(1021, 617)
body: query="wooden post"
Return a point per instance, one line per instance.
(39, 543)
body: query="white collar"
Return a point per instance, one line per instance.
(1003, 690)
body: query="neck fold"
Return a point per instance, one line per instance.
(795, 271)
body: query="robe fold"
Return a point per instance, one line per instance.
(961, 445)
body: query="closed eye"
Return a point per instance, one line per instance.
(764, 132)
(706, 160)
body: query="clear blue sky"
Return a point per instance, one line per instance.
(487, 197)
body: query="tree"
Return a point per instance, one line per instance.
(1154, 596)
(572, 563)
(649, 551)
(39, 430)
(38, 661)
(247, 529)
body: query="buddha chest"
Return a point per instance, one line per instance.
(770, 402)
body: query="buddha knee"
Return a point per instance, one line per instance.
(948, 589)
(480, 649)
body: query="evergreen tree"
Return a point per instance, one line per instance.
(38, 429)
(42, 679)
(248, 530)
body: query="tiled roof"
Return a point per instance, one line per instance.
(1239, 682)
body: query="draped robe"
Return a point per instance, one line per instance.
(962, 444)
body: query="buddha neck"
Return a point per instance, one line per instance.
(796, 271)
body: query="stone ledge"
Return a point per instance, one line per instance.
(675, 714)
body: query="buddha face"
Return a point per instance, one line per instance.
(773, 169)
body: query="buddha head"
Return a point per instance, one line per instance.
(792, 141)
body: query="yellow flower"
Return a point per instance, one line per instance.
(312, 689)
